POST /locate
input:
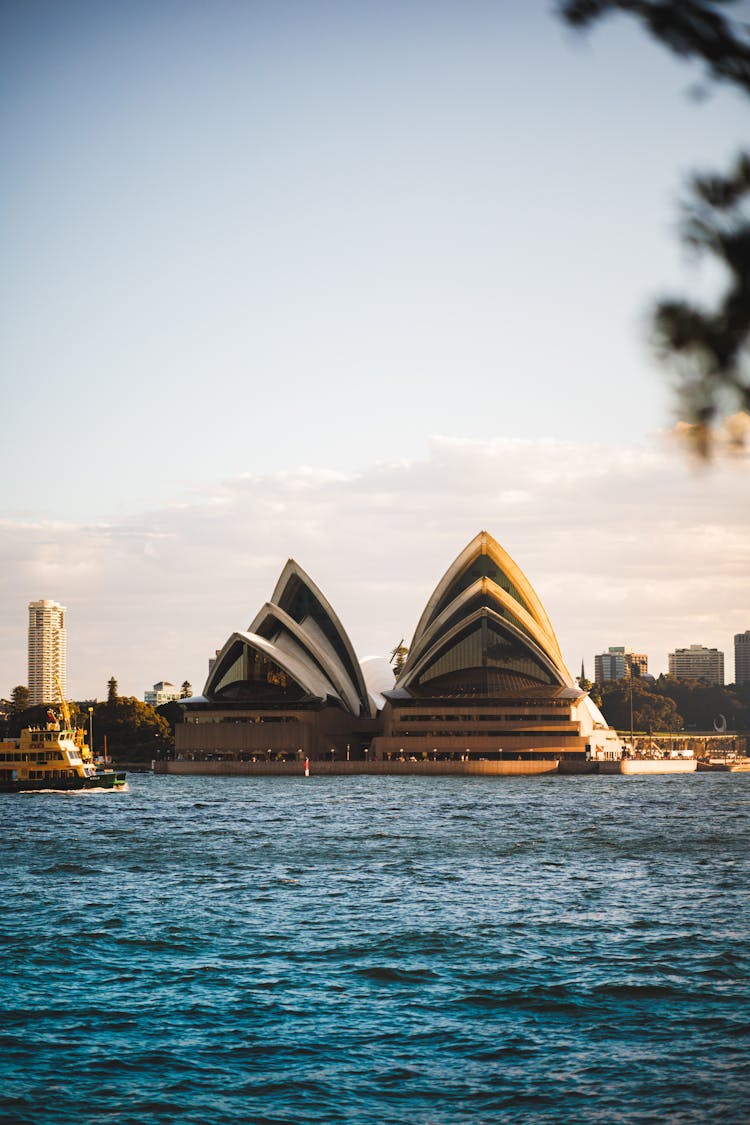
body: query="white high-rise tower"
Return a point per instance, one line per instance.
(47, 651)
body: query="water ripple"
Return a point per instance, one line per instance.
(435, 951)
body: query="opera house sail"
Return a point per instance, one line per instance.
(485, 678)
(484, 681)
(288, 687)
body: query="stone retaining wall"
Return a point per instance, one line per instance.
(340, 769)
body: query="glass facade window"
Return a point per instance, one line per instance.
(482, 567)
(251, 675)
(300, 604)
(481, 662)
(288, 642)
(485, 601)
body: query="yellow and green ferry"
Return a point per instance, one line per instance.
(54, 756)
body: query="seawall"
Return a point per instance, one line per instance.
(341, 769)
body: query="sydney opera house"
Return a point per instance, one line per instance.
(484, 681)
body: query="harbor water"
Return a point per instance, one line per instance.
(377, 950)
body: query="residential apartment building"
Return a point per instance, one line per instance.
(618, 662)
(742, 657)
(47, 651)
(163, 692)
(697, 663)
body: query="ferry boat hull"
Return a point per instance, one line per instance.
(649, 765)
(725, 765)
(110, 779)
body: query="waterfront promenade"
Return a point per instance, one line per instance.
(712, 750)
(510, 768)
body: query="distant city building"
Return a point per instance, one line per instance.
(163, 692)
(742, 657)
(697, 663)
(47, 651)
(618, 662)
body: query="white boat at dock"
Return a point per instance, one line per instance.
(643, 765)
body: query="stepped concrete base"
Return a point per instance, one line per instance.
(345, 769)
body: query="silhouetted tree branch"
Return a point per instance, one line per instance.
(708, 348)
(689, 28)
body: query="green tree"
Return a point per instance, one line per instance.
(654, 712)
(651, 710)
(398, 658)
(186, 690)
(112, 690)
(19, 699)
(35, 716)
(133, 730)
(172, 712)
(707, 347)
(702, 704)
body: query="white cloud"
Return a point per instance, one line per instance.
(624, 546)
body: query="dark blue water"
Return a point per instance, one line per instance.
(371, 950)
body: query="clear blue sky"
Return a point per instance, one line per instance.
(242, 238)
